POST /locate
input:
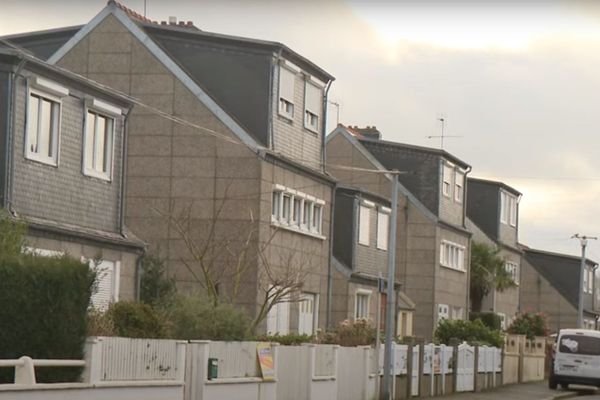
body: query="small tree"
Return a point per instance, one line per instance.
(487, 274)
(156, 288)
(529, 324)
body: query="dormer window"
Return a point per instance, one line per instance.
(459, 183)
(98, 140)
(312, 111)
(447, 180)
(508, 208)
(286, 92)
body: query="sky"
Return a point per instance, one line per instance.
(517, 83)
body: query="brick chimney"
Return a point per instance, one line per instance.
(369, 132)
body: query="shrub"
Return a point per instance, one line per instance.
(350, 333)
(489, 319)
(195, 317)
(156, 288)
(100, 324)
(44, 311)
(472, 332)
(291, 339)
(529, 324)
(136, 320)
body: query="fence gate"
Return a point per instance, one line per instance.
(415, 372)
(465, 374)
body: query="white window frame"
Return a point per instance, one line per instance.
(457, 313)
(513, 269)
(508, 208)
(362, 293)
(364, 222)
(383, 215)
(447, 179)
(312, 112)
(56, 108)
(452, 255)
(502, 321)
(588, 280)
(459, 186)
(307, 220)
(286, 96)
(115, 283)
(308, 297)
(110, 113)
(443, 312)
(278, 318)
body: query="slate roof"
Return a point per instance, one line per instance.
(495, 183)
(43, 44)
(561, 271)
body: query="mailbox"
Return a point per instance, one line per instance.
(213, 368)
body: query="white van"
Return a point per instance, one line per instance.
(576, 358)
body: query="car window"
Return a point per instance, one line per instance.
(579, 344)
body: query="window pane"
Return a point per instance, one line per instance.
(364, 225)
(44, 128)
(99, 136)
(306, 213)
(285, 211)
(32, 123)
(90, 124)
(316, 222)
(297, 210)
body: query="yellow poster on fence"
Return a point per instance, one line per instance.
(265, 359)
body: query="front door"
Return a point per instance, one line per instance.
(306, 314)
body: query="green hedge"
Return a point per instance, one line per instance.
(472, 332)
(43, 312)
(489, 319)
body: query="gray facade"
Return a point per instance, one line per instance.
(421, 232)
(66, 209)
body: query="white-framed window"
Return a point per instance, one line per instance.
(98, 144)
(459, 185)
(362, 304)
(287, 80)
(443, 312)
(364, 223)
(588, 280)
(297, 211)
(457, 313)
(42, 252)
(383, 225)
(508, 208)
(452, 255)
(447, 180)
(278, 318)
(312, 106)
(107, 282)
(308, 309)
(502, 321)
(42, 127)
(513, 269)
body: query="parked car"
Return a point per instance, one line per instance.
(576, 358)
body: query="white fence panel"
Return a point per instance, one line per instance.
(415, 372)
(125, 359)
(292, 373)
(325, 360)
(351, 373)
(465, 373)
(236, 359)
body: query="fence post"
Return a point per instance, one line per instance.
(454, 368)
(197, 369)
(25, 372)
(521, 350)
(443, 364)
(275, 350)
(409, 369)
(475, 368)
(180, 348)
(421, 365)
(93, 360)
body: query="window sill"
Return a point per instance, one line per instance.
(313, 131)
(95, 175)
(453, 269)
(41, 160)
(287, 118)
(297, 230)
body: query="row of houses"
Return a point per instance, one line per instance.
(126, 136)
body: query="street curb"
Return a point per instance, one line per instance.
(561, 396)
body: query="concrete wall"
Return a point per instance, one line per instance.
(63, 193)
(542, 296)
(74, 391)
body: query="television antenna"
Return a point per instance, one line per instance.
(442, 135)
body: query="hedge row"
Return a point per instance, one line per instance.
(43, 312)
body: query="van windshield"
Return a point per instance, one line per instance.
(579, 344)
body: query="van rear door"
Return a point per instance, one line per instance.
(578, 355)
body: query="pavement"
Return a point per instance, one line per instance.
(523, 391)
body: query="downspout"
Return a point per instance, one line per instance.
(330, 263)
(324, 127)
(468, 261)
(122, 187)
(11, 128)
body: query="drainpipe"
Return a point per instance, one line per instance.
(468, 261)
(122, 187)
(11, 128)
(330, 266)
(324, 128)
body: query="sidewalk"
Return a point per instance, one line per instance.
(523, 391)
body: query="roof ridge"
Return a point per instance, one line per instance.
(131, 13)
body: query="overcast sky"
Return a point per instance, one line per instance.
(518, 83)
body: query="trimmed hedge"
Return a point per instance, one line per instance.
(43, 313)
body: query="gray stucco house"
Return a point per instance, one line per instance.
(226, 139)
(433, 242)
(493, 217)
(62, 146)
(550, 285)
(360, 257)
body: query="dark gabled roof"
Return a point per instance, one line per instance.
(356, 191)
(43, 44)
(386, 148)
(495, 183)
(560, 270)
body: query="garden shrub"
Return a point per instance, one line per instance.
(472, 332)
(195, 317)
(350, 333)
(291, 339)
(489, 319)
(529, 324)
(156, 288)
(44, 311)
(136, 320)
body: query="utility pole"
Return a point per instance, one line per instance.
(583, 241)
(390, 311)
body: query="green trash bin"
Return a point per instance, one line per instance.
(213, 368)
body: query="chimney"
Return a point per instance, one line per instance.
(181, 23)
(172, 20)
(189, 24)
(369, 132)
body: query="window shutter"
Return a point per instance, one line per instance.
(363, 226)
(286, 84)
(382, 230)
(313, 98)
(104, 284)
